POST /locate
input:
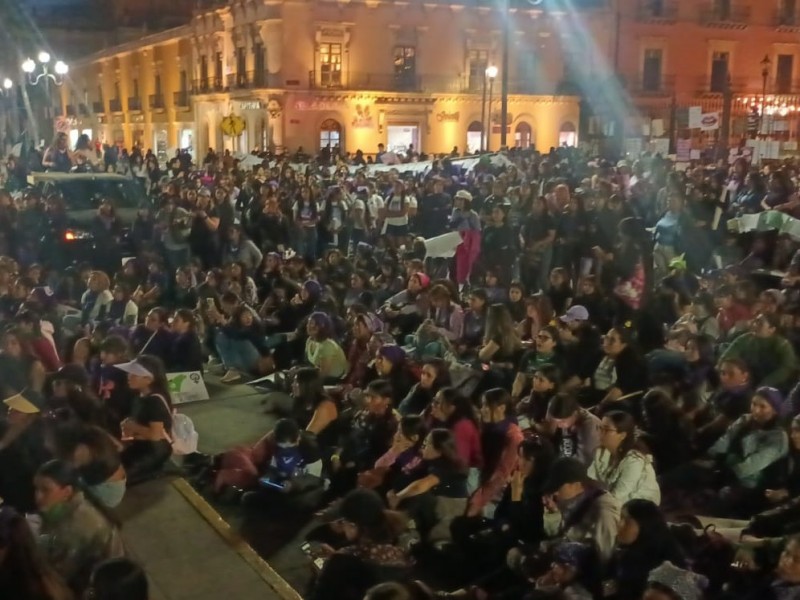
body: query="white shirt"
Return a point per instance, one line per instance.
(395, 203)
(375, 205)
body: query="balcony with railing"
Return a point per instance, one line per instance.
(730, 16)
(181, 99)
(709, 85)
(651, 86)
(787, 19)
(208, 86)
(156, 101)
(115, 105)
(134, 104)
(657, 11)
(253, 80)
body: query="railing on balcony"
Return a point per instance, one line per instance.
(134, 103)
(181, 99)
(115, 105)
(208, 86)
(427, 84)
(721, 15)
(253, 79)
(709, 85)
(651, 86)
(156, 101)
(99, 107)
(657, 10)
(786, 18)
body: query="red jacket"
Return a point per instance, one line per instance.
(44, 351)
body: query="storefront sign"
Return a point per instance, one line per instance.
(315, 105)
(448, 117)
(250, 105)
(187, 387)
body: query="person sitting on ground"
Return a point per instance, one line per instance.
(146, 431)
(770, 356)
(24, 573)
(575, 431)
(371, 553)
(293, 471)
(440, 493)
(76, 533)
(622, 464)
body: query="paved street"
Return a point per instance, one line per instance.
(189, 551)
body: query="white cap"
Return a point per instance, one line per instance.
(134, 368)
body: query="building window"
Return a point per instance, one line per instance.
(330, 134)
(157, 85)
(474, 135)
(117, 94)
(135, 88)
(478, 61)
(788, 12)
(183, 81)
(783, 74)
(405, 65)
(218, 70)
(722, 9)
(204, 72)
(568, 135)
(719, 72)
(100, 94)
(651, 70)
(259, 64)
(241, 66)
(330, 64)
(523, 135)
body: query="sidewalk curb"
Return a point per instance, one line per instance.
(235, 541)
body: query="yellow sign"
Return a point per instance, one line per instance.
(233, 125)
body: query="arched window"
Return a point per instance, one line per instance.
(474, 137)
(330, 133)
(568, 136)
(523, 136)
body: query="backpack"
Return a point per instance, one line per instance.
(183, 436)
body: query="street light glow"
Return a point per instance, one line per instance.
(44, 57)
(491, 72)
(29, 66)
(61, 68)
(7, 83)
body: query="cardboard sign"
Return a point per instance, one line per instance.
(187, 387)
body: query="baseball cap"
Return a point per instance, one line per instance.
(575, 314)
(564, 470)
(464, 194)
(134, 368)
(26, 402)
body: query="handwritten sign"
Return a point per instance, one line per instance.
(187, 387)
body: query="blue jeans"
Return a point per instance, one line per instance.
(306, 243)
(241, 355)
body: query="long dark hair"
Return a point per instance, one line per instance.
(160, 386)
(444, 442)
(310, 384)
(625, 423)
(655, 538)
(462, 407)
(23, 559)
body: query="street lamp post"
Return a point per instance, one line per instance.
(40, 72)
(489, 74)
(765, 64)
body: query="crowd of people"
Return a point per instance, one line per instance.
(594, 395)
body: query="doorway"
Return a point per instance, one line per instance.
(400, 137)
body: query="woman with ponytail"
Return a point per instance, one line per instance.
(76, 531)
